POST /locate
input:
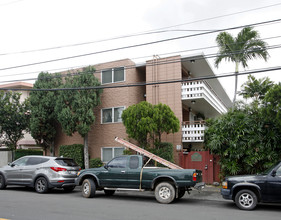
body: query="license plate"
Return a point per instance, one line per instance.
(72, 172)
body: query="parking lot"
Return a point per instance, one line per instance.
(21, 203)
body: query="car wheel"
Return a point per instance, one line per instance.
(69, 188)
(109, 192)
(2, 182)
(164, 193)
(41, 185)
(246, 199)
(88, 188)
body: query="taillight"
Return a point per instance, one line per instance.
(194, 177)
(58, 169)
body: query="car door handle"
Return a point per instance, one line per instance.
(123, 171)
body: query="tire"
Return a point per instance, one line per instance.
(88, 188)
(165, 193)
(246, 199)
(2, 182)
(41, 185)
(69, 188)
(109, 192)
(181, 193)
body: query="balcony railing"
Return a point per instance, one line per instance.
(201, 89)
(193, 131)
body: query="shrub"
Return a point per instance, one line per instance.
(75, 151)
(23, 152)
(96, 162)
(165, 151)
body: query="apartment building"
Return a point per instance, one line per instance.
(192, 100)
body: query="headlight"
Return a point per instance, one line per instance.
(224, 184)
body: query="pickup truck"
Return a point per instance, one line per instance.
(129, 173)
(248, 190)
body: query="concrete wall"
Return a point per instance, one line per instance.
(5, 157)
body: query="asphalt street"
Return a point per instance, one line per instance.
(20, 203)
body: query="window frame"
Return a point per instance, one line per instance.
(112, 75)
(112, 153)
(112, 114)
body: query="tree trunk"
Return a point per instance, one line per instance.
(86, 152)
(52, 149)
(236, 82)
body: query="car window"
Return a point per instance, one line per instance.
(118, 162)
(66, 162)
(36, 160)
(134, 162)
(21, 161)
(278, 171)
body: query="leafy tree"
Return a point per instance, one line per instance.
(138, 120)
(144, 121)
(43, 121)
(75, 108)
(240, 49)
(243, 140)
(256, 88)
(165, 121)
(14, 118)
(272, 106)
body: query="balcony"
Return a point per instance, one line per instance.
(201, 93)
(193, 131)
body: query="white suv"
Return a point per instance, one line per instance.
(40, 172)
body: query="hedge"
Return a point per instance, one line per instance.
(96, 162)
(165, 150)
(75, 151)
(24, 152)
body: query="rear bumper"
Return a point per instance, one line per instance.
(60, 184)
(226, 194)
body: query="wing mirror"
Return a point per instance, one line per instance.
(106, 166)
(11, 164)
(273, 173)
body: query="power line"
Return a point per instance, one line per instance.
(161, 62)
(155, 31)
(154, 82)
(163, 54)
(138, 45)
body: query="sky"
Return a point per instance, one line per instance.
(36, 31)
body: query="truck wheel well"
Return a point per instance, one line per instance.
(89, 177)
(161, 180)
(252, 188)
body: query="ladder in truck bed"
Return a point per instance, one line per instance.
(147, 153)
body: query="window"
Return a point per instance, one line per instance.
(66, 162)
(110, 152)
(119, 162)
(36, 160)
(134, 162)
(21, 161)
(112, 115)
(113, 75)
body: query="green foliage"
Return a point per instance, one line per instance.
(165, 151)
(127, 152)
(95, 163)
(256, 88)
(243, 140)
(14, 118)
(75, 151)
(246, 46)
(144, 121)
(22, 152)
(43, 121)
(75, 108)
(138, 120)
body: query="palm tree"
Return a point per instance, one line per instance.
(240, 49)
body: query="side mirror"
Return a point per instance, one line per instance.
(105, 166)
(11, 164)
(273, 173)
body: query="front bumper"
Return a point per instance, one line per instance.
(226, 194)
